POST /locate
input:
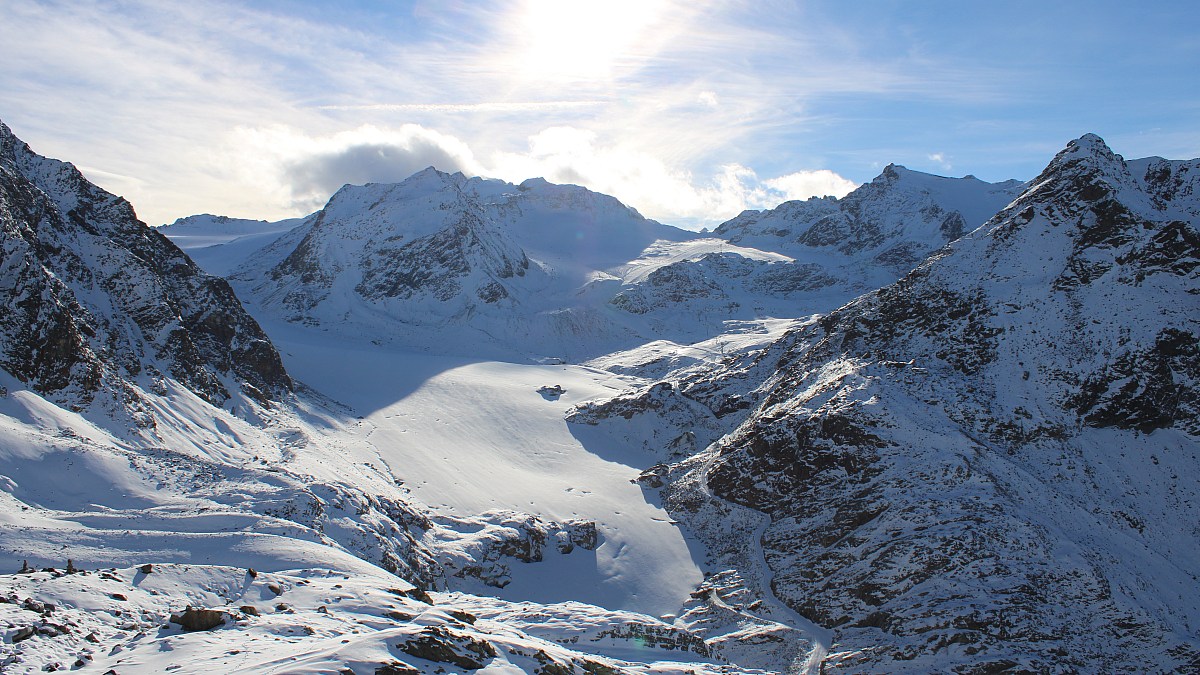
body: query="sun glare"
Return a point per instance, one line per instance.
(581, 39)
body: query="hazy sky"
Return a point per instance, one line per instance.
(689, 111)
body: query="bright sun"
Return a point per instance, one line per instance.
(581, 38)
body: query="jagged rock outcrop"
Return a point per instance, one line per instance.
(484, 548)
(989, 465)
(99, 304)
(815, 255)
(895, 221)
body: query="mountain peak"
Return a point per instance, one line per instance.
(431, 175)
(1088, 149)
(1086, 168)
(430, 171)
(533, 183)
(892, 172)
(1089, 139)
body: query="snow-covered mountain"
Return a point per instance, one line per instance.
(441, 254)
(100, 305)
(842, 248)
(559, 271)
(899, 218)
(270, 480)
(988, 466)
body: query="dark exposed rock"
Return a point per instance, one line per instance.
(414, 593)
(551, 666)
(465, 617)
(97, 298)
(396, 668)
(196, 619)
(583, 534)
(441, 645)
(1149, 389)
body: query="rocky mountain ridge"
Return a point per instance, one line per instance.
(989, 465)
(582, 274)
(101, 304)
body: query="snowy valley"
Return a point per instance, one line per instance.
(456, 424)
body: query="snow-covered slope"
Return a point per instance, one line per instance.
(990, 465)
(219, 244)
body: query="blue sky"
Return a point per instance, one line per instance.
(689, 111)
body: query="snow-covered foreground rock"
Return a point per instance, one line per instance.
(317, 620)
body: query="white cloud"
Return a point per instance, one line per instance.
(644, 181)
(940, 159)
(299, 171)
(640, 117)
(302, 171)
(805, 184)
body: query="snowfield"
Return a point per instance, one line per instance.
(470, 437)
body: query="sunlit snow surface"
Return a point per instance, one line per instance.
(469, 437)
(307, 621)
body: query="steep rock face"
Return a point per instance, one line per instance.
(991, 464)
(423, 239)
(99, 301)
